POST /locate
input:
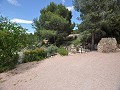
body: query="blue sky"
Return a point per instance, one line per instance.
(24, 11)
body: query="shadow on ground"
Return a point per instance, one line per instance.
(20, 69)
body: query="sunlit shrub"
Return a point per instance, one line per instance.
(51, 50)
(62, 51)
(35, 55)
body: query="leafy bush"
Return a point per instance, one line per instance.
(35, 55)
(76, 42)
(8, 62)
(12, 39)
(51, 50)
(62, 51)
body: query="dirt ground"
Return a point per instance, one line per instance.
(86, 71)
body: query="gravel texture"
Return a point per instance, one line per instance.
(86, 71)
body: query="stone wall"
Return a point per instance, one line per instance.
(107, 45)
(77, 49)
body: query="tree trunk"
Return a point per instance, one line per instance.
(54, 41)
(92, 43)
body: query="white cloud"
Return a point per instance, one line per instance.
(14, 2)
(63, 1)
(71, 8)
(21, 21)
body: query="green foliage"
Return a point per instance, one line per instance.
(35, 55)
(84, 36)
(54, 19)
(12, 39)
(46, 34)
(75, 31)
(51, 50)
(42, 53)
(32, 41)
(76, 42)
(8, 61)
(62, 51)
(99, 14)
(101, 18)
(12, 35)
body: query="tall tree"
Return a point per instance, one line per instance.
(54, 17)
(98, 15)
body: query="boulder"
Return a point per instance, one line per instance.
(107, 45)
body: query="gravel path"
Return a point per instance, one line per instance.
(87, 71)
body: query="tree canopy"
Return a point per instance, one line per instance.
(56, 18)
(99, 17)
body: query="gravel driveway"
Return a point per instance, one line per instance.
(87, 71)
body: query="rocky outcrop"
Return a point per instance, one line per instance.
(107, 45)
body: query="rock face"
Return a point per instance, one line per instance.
(107, 45)
(21, 56)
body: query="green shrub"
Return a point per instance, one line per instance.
(8, 62)
(76, 42)
(62, 51)
(77, 49)
(12, 39)
(35, 55)
(51, 50)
